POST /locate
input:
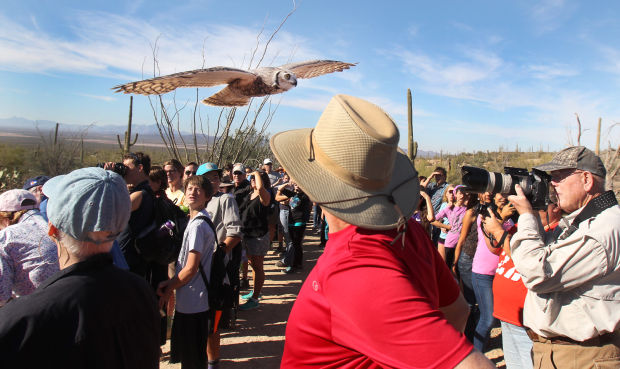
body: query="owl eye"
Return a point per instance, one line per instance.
(287, 76)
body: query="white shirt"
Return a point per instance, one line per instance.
(574, 283)
(193, 297)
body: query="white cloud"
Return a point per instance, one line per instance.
(103, 44)
(413, 30)
(97, 97)
(611, 58)
(34, 22)
(548, 15)
(555, 70)
(480, 66)
(315, 103)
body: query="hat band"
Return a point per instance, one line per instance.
(350, 178)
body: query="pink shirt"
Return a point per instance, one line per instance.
(455, 216)
(485, 262)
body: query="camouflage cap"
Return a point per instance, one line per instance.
(575, 157)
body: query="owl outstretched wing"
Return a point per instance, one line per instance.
(315, 68)
(227, 97)
(193, 78)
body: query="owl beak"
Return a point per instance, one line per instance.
(295, 83)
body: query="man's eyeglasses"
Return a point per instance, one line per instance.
(188, 172)
(560, 176)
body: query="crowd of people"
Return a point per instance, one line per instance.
(416, 272)
(246, 208)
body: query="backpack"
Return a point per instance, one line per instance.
(162, 240)
(219, 289)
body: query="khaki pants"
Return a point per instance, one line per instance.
(547, 355)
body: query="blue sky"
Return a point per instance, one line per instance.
(483, 73)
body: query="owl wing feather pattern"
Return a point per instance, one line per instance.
(227, 97)
(194, 78)
(315, 68)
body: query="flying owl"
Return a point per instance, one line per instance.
(242, 84)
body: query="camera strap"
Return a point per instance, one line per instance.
(593, 208)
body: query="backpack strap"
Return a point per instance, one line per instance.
(202, 270)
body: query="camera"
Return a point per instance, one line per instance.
(119, 168)
(535, 184)
(485, 209)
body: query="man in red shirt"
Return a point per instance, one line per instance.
(380, 295)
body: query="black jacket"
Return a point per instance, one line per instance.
(89, 315)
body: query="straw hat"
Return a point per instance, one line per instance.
(350, 164)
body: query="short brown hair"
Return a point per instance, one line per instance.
(200, 181)
(140, 158)
(158, 175)
(176, 164)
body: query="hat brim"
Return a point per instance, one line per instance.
(52, 187)
(199, 173)
(291, 149)
(551, 166)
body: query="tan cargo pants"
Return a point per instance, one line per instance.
(547, 355)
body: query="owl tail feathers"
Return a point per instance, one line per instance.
(227, 97)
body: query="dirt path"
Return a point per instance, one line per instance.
(258, 339)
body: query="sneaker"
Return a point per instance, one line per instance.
(249, 305)
(248, 296)
(288, 270)
(280, 264)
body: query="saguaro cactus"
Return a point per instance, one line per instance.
(412, 146)
(127, 142)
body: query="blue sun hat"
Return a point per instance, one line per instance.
(206, 168)
(88, 200)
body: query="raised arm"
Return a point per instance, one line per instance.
(265, 196)
(430, 212)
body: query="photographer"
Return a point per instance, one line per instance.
(435, 190)
(138, 167)
(572, 274)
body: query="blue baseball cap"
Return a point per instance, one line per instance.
(36, 181)
(88, 200)
(206, 168)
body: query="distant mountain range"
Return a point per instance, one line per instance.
(27, 125)
(147, 133)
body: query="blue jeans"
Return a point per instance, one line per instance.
(293, 256)
(316, 216)
(517, 347)
(284, 225)
(483, 288)
(464, 269)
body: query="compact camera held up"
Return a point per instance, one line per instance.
(535, 184)
(119, 168)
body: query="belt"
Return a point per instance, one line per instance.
(561, 340)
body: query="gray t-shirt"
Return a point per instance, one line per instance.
(273, 177)
(223, 210)
(193, 297)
